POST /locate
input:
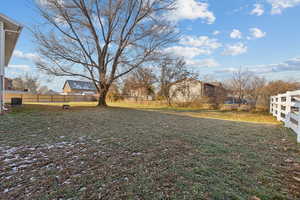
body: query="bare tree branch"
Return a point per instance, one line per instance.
(102, 40)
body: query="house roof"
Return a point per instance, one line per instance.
(217, 84)
(187, 79)
(8, 79)
(212, 84)
(52, 92)
(80, 85)
(12, 32)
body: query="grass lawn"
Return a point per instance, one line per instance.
(193, 112)
(144, 153)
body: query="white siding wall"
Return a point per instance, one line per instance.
(186, 91)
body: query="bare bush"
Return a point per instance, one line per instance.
(140, 83)
(239, 84)
(172, 70)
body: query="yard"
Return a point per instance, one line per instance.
(187, 111)
(145, 152)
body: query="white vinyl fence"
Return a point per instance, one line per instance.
(286, 107)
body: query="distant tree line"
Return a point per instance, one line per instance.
(245, 84)
(156, 81)
(29, 84)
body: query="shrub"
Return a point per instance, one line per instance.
(246, 108)
(228, 107)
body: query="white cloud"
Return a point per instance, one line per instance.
(257, 33)
(226, 70)
(216, 32)
(28, 56)
(190, 47)
(236, 34)
(187, 52)
(239, 9)
(258, 10)
(43, 2)
(203, 42)
(191, 9)
(20, 67)
(279, 5)
(235, 49)
(49, 2)
(289, 65)
(203, 63)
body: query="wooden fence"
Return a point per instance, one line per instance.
(286, 107)
(35, 98)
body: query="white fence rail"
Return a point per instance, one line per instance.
(286, 107)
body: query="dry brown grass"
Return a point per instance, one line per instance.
(121, 153)
(232, 115)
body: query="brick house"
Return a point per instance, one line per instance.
(8, 84)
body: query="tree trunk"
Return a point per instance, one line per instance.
(102, 98)
(169, 101)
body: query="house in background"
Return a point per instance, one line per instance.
(139, 94)
(51, 92)
(8, 84)
(133, 91)
(79, 87)
(190, 90)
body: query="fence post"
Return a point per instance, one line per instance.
(288, 110)
(292, 117)
(274, 106)
(298, 134)
(298, 128)
(278, 107)
(271, 104)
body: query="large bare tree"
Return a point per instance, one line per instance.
(239, 84)
(141, 81)
(30, 83)
(172, 70)
(256, 88)
(101, 40)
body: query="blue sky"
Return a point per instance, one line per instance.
(218, 37)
